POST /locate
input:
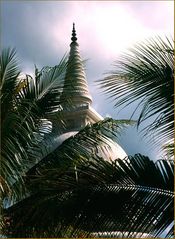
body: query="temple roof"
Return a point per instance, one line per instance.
(75, 85)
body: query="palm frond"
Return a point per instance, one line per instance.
(26, 103)
(88, 141)
(45, 88)
(128, 197)
(9, 72)
(12, 152)
(146, 74)
(9, 66)
(168, 150)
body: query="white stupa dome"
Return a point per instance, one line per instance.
(109, 150)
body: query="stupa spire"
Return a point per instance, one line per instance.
(75, 85)
(74, 38)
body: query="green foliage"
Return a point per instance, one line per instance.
(25, 102)
(146, 74)
(130, 197)
(169, 150)
(76, 190)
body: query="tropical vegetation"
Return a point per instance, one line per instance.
(145, 75)
(73, 191)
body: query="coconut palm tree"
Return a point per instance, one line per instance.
(73, 191)
(126, 198)
(27, 105)
(145, 74)
(23, 111)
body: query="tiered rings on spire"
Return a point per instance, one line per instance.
(75, 88)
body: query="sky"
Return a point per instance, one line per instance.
(41, 31)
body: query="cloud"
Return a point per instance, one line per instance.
(152, 15)
(41, 32)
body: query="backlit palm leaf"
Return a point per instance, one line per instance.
(146, 74)
(9, 72)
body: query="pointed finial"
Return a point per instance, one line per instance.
(74, 39)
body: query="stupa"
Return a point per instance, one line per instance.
(77, 105)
